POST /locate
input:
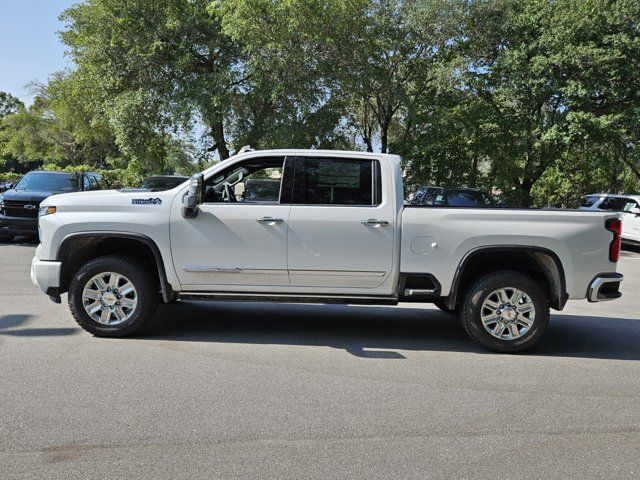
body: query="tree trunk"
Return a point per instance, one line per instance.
(384, 137)
(217, 133)
(526, 201)
(614, 180)
(474, 171)
(369, 145)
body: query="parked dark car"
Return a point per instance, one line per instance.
(19, 205)
(453, 197)
(159, 183)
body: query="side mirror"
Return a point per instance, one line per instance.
(635, 210)
(193, 197)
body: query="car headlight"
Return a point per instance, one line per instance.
(46, 210)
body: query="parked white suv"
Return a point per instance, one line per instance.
(627, 205)
(334, 231)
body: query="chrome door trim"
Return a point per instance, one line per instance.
(205, 269)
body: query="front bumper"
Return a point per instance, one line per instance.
(46, 276)
(18, 225)
(605, 287)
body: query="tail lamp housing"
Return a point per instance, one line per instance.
(614, 225)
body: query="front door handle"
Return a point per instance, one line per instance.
(374, 222)
(270, 220)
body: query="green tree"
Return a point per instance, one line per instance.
(161, 64)
(9, 104)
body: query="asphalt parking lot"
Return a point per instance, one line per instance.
(240, 390)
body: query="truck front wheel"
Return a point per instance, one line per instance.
(113, 296)
(505, 312)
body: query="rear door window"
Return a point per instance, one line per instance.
(336, 181)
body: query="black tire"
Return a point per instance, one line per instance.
(471, 311)
(442, 306)
(6, 238)
(144, 281)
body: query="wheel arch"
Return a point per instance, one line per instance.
(543, 264)
(77, 248)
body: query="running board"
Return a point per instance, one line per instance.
(416, 292)
(289, 298)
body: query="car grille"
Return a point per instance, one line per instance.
(21, 209)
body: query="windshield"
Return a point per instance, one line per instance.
(162, 183)
(51, 182)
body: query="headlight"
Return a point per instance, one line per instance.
(46, 211)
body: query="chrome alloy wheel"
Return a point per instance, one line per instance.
(508, 313)
(109, 298)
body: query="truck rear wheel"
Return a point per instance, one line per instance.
(113, 296)
(505, 312)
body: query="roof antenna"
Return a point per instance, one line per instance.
(246, 148)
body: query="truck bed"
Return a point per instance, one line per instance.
(435, 238)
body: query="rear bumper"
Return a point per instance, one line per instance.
(605, 287)
(18, 225)
(46, 276)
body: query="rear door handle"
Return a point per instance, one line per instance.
(374, 222)
(270, 220)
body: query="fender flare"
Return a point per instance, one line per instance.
(166, 289)
(554, 271)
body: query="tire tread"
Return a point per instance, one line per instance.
(494, 280)
(133, 267)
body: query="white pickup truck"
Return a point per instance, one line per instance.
(319, 227)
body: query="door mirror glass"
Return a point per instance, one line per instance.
(193, 197)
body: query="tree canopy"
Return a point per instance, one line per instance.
(536, 99)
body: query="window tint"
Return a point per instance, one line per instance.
(613, 204)
(162, 183)
(330, 181)
(433, 197)
(589, 201)
(629, 205)
(468, 198)
(256, 181)
(50, 182)
(416, 198)
(93, 183)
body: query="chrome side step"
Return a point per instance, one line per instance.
(289, 298)
(413, 292)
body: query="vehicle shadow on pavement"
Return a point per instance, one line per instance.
(10, 325)
(30, 242)
(377, 332)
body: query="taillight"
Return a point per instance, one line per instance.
(614, 225)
